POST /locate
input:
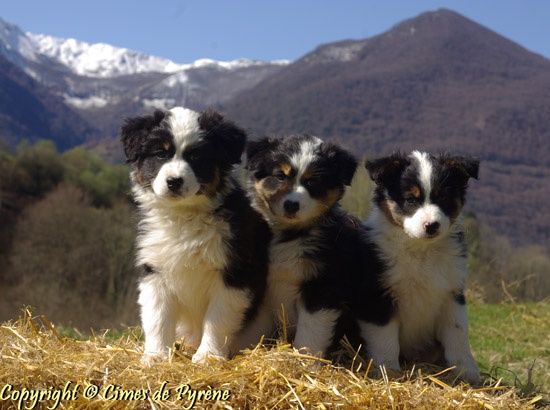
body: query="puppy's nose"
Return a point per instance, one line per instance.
(431, 228)
(174, 183)
(291, 207)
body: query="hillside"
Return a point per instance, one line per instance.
(29, 110)
(435, 82)
(103, 84)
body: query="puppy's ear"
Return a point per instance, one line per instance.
(383, 169)
(134, 133)
(342, 160)
(258, 148)
(231, 138)
(467, 165)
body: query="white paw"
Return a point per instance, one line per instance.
(150, 359)
(466, 369)
(203, 354)
(469, 374)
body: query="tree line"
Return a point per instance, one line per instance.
(67, 235)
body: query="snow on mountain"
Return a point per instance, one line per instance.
(103, 83)
(99, 60)
(14, 43)
(103, 60)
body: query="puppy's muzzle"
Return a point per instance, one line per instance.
(431, 228)
(174, 184)
(291, 208)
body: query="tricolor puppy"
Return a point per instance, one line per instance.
(296, 183)
(414, 306)
(201, 248)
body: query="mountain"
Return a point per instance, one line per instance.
(435, 82)
(29, 110)
(103, 83)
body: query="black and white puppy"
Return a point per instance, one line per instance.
(296, 183)
(201, 247)
(413, 303)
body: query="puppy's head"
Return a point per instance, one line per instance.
(180, 154)
(422, 193)
(296, 180)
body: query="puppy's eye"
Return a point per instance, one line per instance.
(191, 156)
(313, 181)
(410, 199)
(280, 176)
(161, 154)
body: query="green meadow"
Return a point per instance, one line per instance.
(512, 342)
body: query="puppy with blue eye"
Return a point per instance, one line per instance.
(296, 184)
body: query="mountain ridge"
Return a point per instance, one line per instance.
(435, 82)
(103, 83)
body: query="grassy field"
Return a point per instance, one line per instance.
(42, 367)
(512, 342)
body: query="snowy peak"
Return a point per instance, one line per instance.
(103, 60)
(99, 60)
(15, 44)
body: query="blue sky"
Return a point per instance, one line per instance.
(185, 31)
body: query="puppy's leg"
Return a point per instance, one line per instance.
(157, 318)
(223, 320)
(315, 330)
(453, 334)
(382, 343)
(263, 324)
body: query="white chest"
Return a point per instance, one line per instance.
(422, 281)
(187, 249)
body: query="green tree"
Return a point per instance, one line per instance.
(36, 170)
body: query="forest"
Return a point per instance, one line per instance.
(67, 233)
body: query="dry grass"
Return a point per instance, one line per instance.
(36, 360)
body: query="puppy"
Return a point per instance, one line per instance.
(296, 183)
(412, 297)
(201, 248)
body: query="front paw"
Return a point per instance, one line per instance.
(150, 358)
(466, 369)
(469, 374)
(202, 355)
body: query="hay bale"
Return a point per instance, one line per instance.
(40, 369)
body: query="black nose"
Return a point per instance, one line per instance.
(291, 207)
(174, 183)
(431, 228)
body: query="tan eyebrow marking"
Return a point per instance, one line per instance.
(286, 168)
(415, 191)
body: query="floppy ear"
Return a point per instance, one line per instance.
(465, 167)
(231, 138)
(468, 165)
(257, 149)
(134, 132)
(385, 168)
(342, 160)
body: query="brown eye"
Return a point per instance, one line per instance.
(313, 181)
(161, 154)
(410, 199)
(280, 176)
